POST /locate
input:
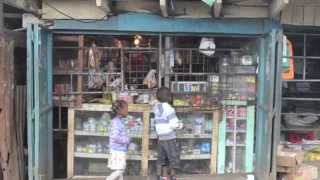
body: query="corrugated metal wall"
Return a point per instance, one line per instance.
(302, 12)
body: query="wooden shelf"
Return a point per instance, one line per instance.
(187, 136)
(64, 72)
(85, 133)
(144, 158)
(207, 109)
(238, 145)
(103, 156)
(308, 129)
(190, 157)
(237, 118)
(238, 131)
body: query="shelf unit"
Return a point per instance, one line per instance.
(145, 158)
(212, 137)
(231, 151)
(74, 133)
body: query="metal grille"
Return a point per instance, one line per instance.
(301, 95)
(138, 63)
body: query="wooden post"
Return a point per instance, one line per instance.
(80, 69)
(222, 145)
(8, 138)
(145, 144)
(70, 153)
(215, 136)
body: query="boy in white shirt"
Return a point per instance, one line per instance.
(166, 123)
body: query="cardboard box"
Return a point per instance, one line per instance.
(287, 158)
(304, 172)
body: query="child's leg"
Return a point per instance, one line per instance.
(162, 158)
(174, 157)
(116, 174)
(173, 154)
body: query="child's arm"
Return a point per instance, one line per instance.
(116, 134)
(174, 122)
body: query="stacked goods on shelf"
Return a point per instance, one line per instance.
(238, 78)
(238, 94)
(195, 142)
(290, 165)
(236, 137)
(91, 144)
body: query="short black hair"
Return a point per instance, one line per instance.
(164, 95)
(117, 106)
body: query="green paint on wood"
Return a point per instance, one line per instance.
(209, 2)
(250, 138)
(222, 145)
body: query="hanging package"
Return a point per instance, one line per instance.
(95, 81)
(207, 46)
(150, 80)
(289, 74)
(285, 53)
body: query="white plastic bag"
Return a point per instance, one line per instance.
(207, 46)
(150, 80)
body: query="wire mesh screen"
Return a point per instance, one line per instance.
(191, 76)
(238, 78)
(211, 79)
(137, 64)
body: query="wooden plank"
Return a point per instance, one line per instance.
(104, 5)
(214, 142)
(297, 18)
(104, 107)
(217, 8)
(103, 156)
(70, 153)
(190, 157)
(9, 155)
(80, 69)
(163, 7)
(59, 9)
(232, 11)
(250, 138)
(309, 15)
(222, 145)
(317, 15)
(74, 39)
(145, 144)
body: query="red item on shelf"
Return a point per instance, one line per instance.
(309, 136)
(294, 138)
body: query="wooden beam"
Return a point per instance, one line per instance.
(12, 15)
(277, 6)
(104, 5)
(29, 6)
(217, 8)
(163, 7)
(59, 9)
